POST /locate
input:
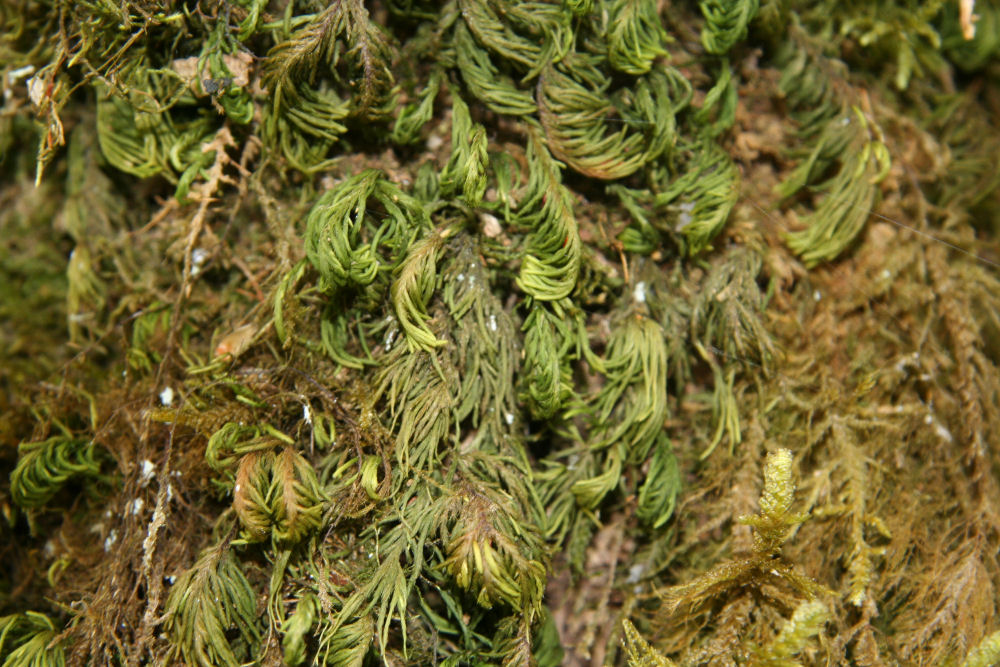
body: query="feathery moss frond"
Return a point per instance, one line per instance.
(718, 110)
(851, 193)
(795, 635)
(902, 35)
(333, 233)
(764, 565)
(635, 36)
(296, 627)
(413, 288)
(727, 321)
(728, 313)
(485, 344)
(484, 559)
(474, 361)
(419, 390)
(29, 640)
(638, 651)
(632, 404)
(306, 114)
(205, 604)
(590, 491)
(122, 142)
(726, 23)
(233, 441)
(706, 193)
(551, 262)
(465, 171)
(297, 499)
(347, 644)
(609, 136)
(775, 520)
(342, 239)
(250, 495)
(658, 493)
(548, 341)
(275, 493)
(414, 116)
(43, 467)
(530, 35)
(491, 87)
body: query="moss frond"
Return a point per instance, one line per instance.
(726, 23)
(416, 115)
(486, 83)
(30, 639)
(635, 36)
(297, 627)
(632, 404)
(548, 344)
(208, 601)
(658, 493)
(797, 632)
(851, 193)
(465, 171)
(343, 236)
(306, 116)
(43, 467)
(775, 520)
(485, 560)
(764, 565)
(529, 36)
(607, 136)
(297, 500)
(551, 262)
(693, 206)
(638, 652)
(413, 288)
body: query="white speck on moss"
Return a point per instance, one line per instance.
(639, 293)
(146, 471)
(167, 396)
(198, 257)
(111, 539)
(684, 219)
(635, 573)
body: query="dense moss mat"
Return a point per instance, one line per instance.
(474, 332)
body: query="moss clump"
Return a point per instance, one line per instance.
(414, 332)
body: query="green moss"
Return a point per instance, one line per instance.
(408, 332)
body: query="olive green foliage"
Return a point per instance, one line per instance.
(207, 601)
(44, 467)
(30, 639)
(764, 564)
(464, 332)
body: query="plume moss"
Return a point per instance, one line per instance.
(503, 332)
